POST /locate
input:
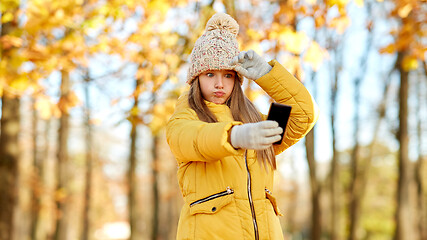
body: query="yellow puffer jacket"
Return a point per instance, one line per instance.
(227, 192)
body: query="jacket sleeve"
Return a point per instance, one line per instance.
(193, 140)
(284, 88)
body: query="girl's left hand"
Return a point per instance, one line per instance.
(250, 65)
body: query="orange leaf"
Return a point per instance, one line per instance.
(9, 41)
(319, 21)
(405, 10)
(340, 23)
(391, 48)
(68, 101)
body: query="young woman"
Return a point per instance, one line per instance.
(222, 144)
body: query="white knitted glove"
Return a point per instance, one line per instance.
(250, 65)
(257, 136)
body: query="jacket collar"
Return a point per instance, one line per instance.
(217, 108)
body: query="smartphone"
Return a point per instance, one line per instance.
(280, 113)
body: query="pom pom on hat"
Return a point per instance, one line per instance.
(223, 21)
(215, 49)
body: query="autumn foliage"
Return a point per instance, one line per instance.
(105, 75)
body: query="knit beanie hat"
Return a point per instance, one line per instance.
(216, 47)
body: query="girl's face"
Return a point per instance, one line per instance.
(217, 85)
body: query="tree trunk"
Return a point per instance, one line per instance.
(9, 156)
(421, 204)
(230, 7)
(88, 175)
(37, 180)
(315, 184)
(316, 225)
(44, 152)
(334, 178)
(358, 170)
(355, 187)
(403, 216)
(9, 145)
(334, 192)
(62, 190)
(132, 181)
(155, 190)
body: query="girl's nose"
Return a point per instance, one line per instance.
(219, 82)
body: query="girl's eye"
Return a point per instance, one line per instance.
(209, 74)
(229, 75)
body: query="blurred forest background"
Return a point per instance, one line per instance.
(87, 87)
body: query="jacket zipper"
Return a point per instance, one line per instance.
(250, 199)
(228, 191)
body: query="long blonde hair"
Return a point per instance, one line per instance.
(242, 109)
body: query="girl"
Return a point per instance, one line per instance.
(218, 136)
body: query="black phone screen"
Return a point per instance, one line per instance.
(280, 113)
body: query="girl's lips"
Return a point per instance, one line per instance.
(219, 94)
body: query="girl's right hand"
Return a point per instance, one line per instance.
(257, 136)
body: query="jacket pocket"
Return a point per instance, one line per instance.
(212, 203)
(273, 202)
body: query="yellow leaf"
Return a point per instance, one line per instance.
(55, 111)
(339, 3)
(158, 110)
(68, 101)
(255, 35)
(291, 63)
(409, 63)
(1, 90)
(95, 121)
(340, 23)
(405, 10)
(134, 111)
(319, 21)
(44, 106)
(172, 60)
(359, 3)
(170, 40)
(73, 99)
(9, 41)
(254, 45)
(59, 14)
(254, 94)
(7, 17)
(140, 73)
(21, 83)
(389, 49)
(172, 79)
(315, 56)
(159, 5)
(295, 42)
(60, 195)
(8, 4)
